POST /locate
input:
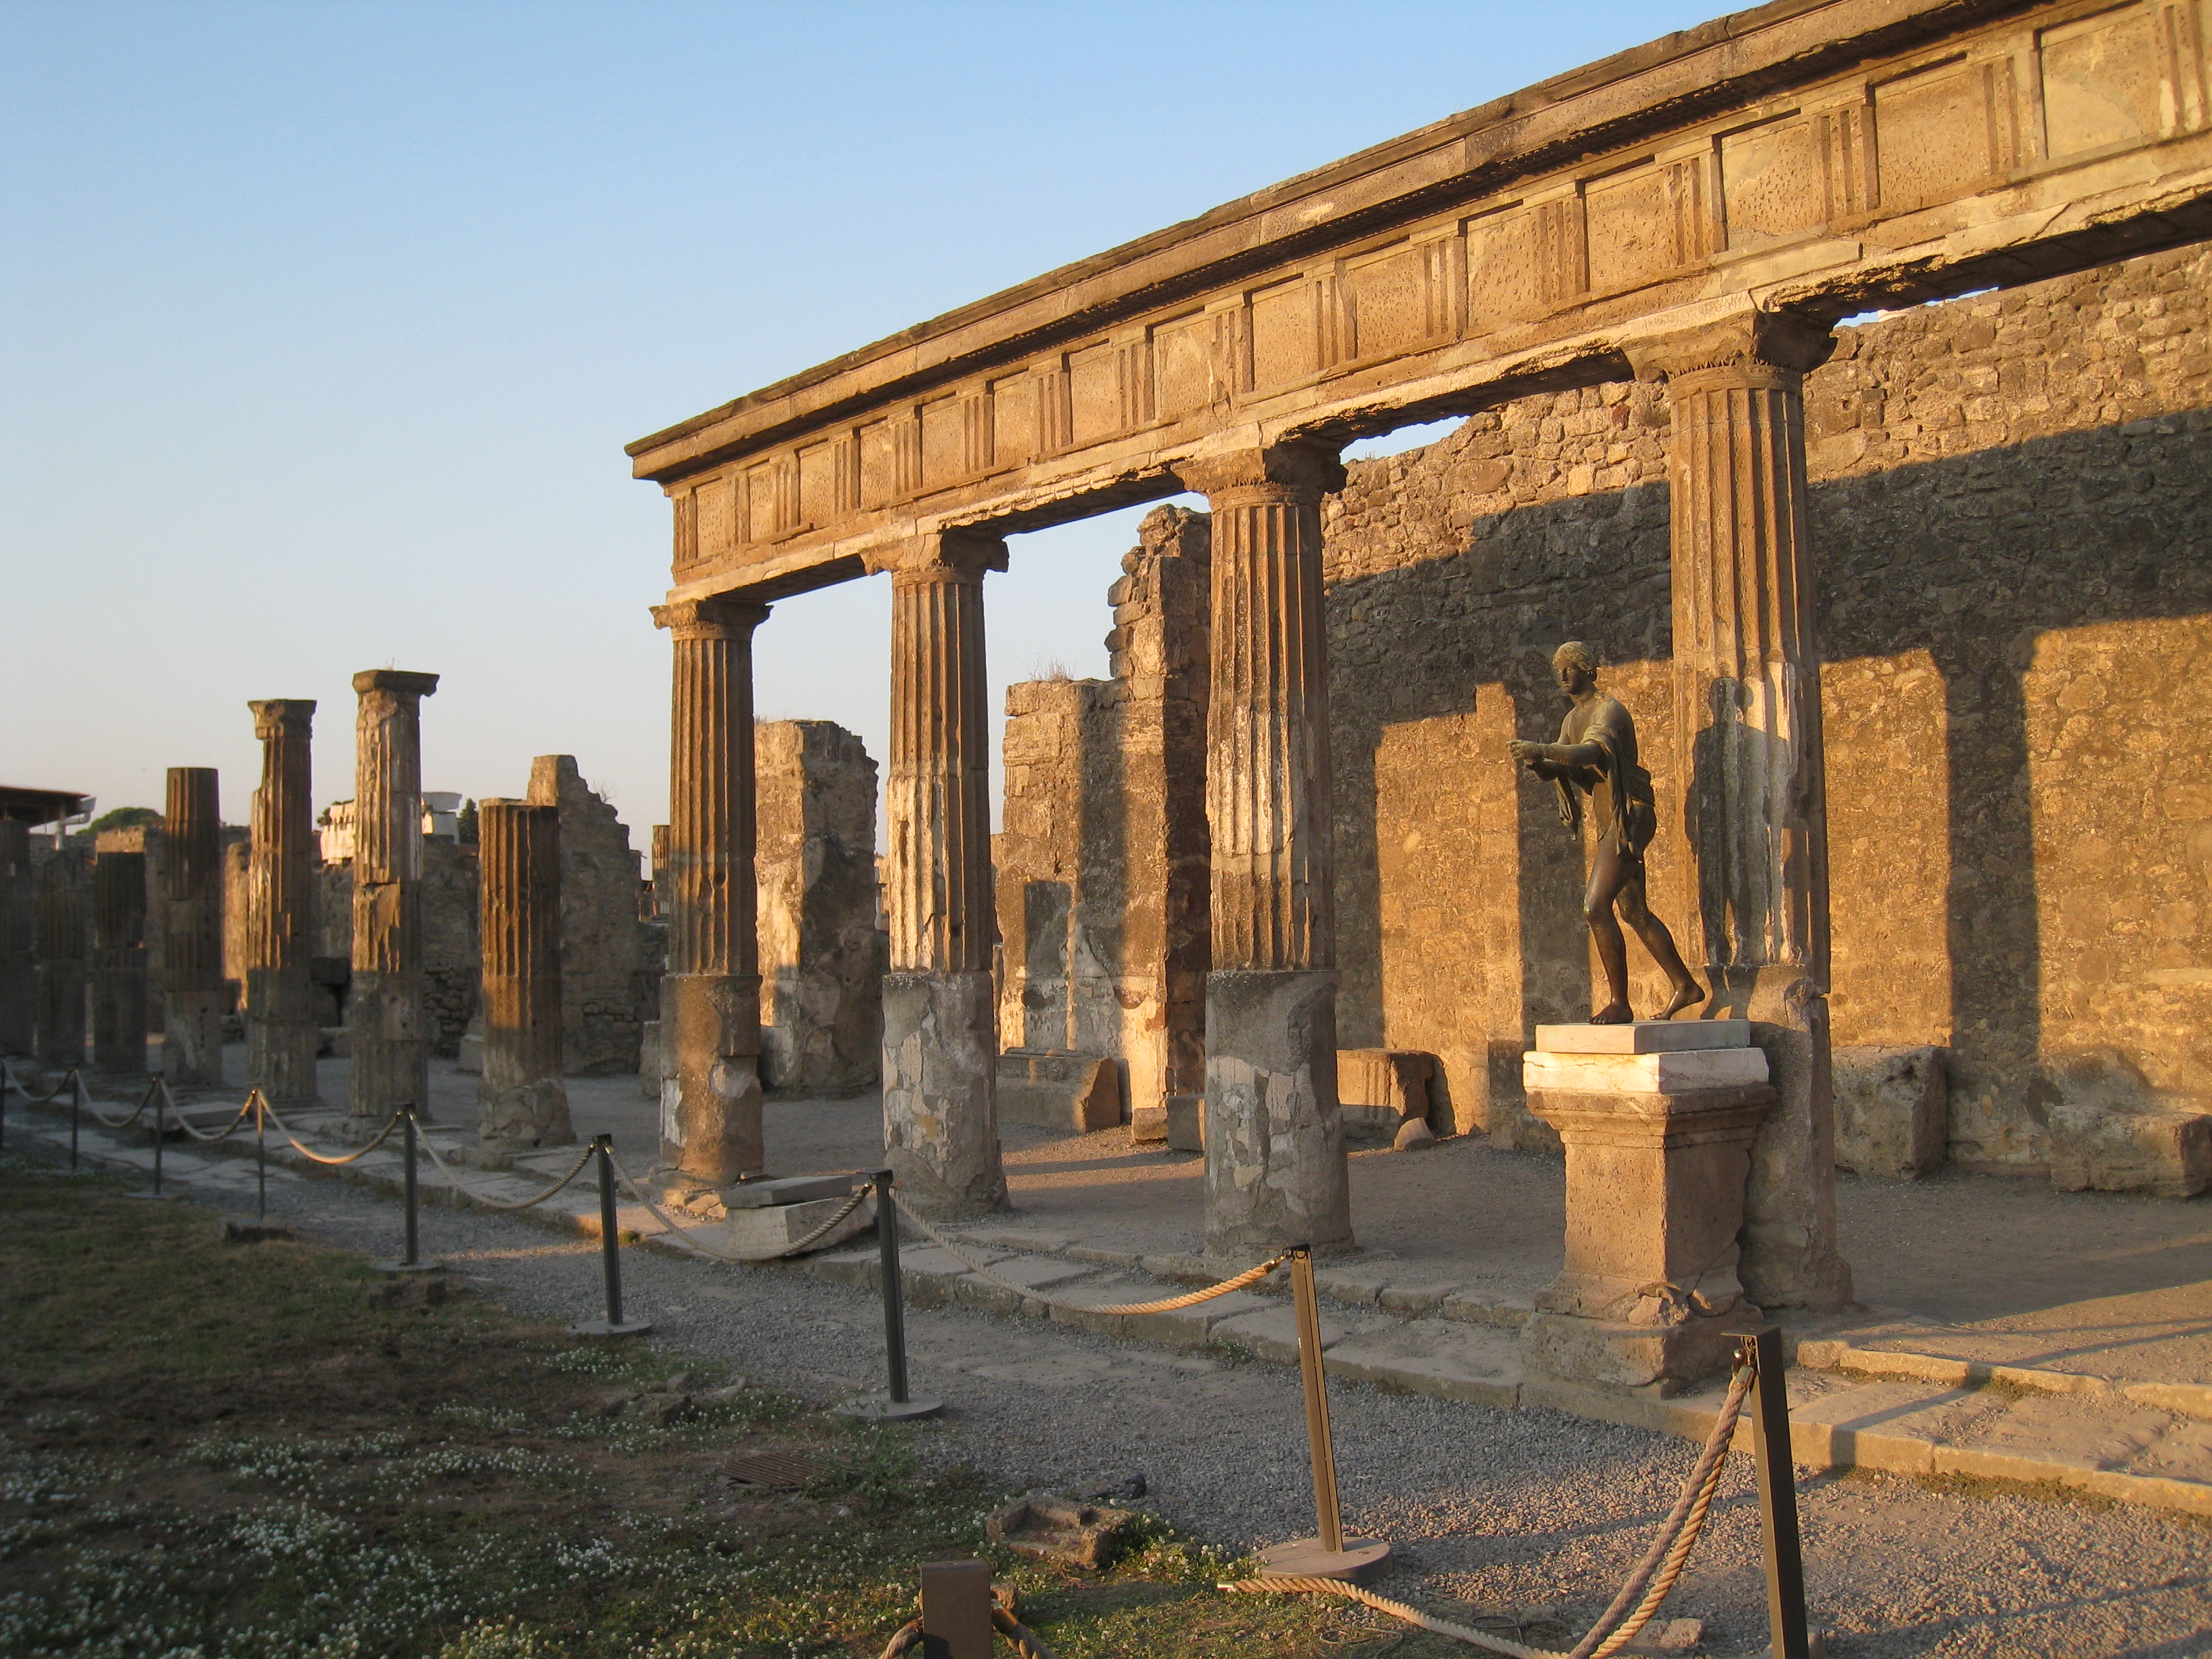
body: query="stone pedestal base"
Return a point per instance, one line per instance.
(192, 1049)
(1275, 1133)
(710, 1089)
(940, 1091)
(517, 1116)
(389, 1049)
(281, 1034)
(1658, 1146)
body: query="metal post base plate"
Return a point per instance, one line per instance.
(1304, 1558)
(886, 1410)
(164, 1197)
(600, 1328)
(394, 1269)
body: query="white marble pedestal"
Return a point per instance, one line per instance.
(1657, 1119)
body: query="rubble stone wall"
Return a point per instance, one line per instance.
(2011, 505)
(602, 889)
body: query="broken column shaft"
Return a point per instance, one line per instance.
(940, 1028)
(118, 970)
(281, 1034)
(1275, 1172)
(192, 942)
(61, 959)
(385, 1014)
(520, 1099)
(710, 1090)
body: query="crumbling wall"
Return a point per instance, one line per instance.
(1101, 866)
(601, 893)
(821, 955)
(452, 951)
(2012, 508)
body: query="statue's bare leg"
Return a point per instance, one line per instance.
(1608, 876)
(1660, 943)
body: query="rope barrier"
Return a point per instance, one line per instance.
(1166, 1304)
(692, 1236)
(575, 1170)
(1652, 1578)
(907, 1637)
(85, 1100)
(307, 1151)
(69, 1081)
(224, 1133)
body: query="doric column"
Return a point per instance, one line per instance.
(1747, 712)
(281, 1035)
(940, 1024)
(1275, 1170)
(387, 1023)
(192, 942)
(520, 1099)
(118, 972)
(61, 959)
(710, 1089)
(19, 967)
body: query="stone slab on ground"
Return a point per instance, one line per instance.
(1036, 1273)
(1272, 1332)
(1454, 1362)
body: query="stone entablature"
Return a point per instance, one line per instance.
(1819, 158)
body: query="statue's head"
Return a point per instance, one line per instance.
(1576, 665)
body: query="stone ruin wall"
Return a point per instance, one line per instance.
(1101, 868)
(821, 955)
(602, 893)
(2011, 505)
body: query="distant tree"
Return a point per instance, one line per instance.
(123, 818)
(465, 825)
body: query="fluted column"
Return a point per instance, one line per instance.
(61, 959)
(1275, 1170)
(386, 1021)
(940, 1020)
(19, 967)
(281, 1034)
(520, 1098)
(118, 970)
(191, 941)
(710, 1089)
(1747, 712)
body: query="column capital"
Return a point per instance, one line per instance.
(723, 616)
(283, 717)
(961, 555)
(398, 681)
(1303, 472)
(1750, 348)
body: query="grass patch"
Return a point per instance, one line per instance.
(210, 1450)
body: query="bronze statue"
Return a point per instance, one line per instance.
(1596, 755)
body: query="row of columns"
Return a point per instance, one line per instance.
(1748, 700)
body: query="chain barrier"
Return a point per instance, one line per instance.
(1166, 1304)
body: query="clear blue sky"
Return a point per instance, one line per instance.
(322, 325)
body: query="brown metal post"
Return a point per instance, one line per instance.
(1330, 1528)
(956, 1609)
(1777, 1493)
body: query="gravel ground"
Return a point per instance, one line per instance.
(1530, 1512)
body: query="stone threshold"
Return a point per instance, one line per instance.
(1920, 1415)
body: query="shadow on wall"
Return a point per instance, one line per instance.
(2019, 768)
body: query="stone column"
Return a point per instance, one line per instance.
(388, 1023)
(61, 959)
(191, 953)
(940, 1024)
(118, 972)
(19, 967)
(1747, 713)
(1275, 1170)
(710, 1090)
(520, 1099)
(281, 1034)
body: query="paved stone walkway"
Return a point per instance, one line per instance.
(2011, 1333)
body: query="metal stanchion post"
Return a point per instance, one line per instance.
(1329, 1554)
(898, 1403)
(610, 1254)
(260, 1156)
(411, 1262)
(1778, 1492)
(76, 1101)
(158, 1095)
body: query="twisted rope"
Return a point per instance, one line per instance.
(576, 1169)
(223, 1134)
(1166, 1304)
(84, 1099)
(698, 1241)
(1027, 1642)
(69, 1081)
(305, 1151)
(1653, 1578)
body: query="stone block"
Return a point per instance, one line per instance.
(1275, 1172)
(1452, 1362)
(1892, 1111)
(2168, 1154)
(1413, 1135)
(1186, 1115)
(785, 1189)
(648, 1058)
(1394, 1081)
(940, 1091)
(763, 1234)
(1036, 1273)
(1056, 1089)
(1272, 1332)
(1643, 1037)
(1148, 1123)
(469, 1058)
(1371, 1124)
(1665, 1356)
(1667, 1072)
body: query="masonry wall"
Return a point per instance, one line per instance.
(821, 955)
(602, 890)
(2011, 505)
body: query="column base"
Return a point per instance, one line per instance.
(281, 1035)
(523, 1115)
(388, 1054)
(192, 1047)
(1665, 1359)
(1275, 1172)
(941, 1092)
(710, 1087)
